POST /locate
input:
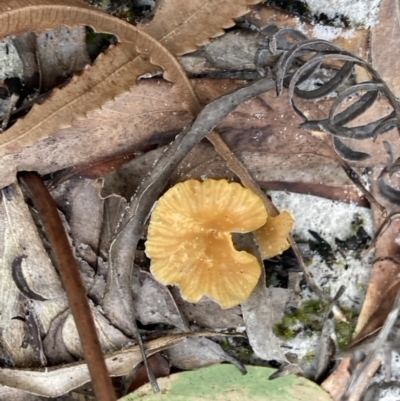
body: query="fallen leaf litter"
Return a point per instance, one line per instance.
(330, 240)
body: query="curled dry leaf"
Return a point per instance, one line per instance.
(53, 344)
(159, 364)
(22, 250)
(349, 39)
(110, 338)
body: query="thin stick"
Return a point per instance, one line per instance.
(71, 279)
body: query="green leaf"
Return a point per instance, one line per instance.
(225, 382)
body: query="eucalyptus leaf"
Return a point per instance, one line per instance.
(225, 382)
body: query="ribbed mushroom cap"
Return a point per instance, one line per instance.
(190, 245)
(272, 237)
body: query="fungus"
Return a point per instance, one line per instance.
(272, 236)
(190, 243)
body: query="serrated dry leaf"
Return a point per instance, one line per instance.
(384, 43)
(104, 80)
(183, 26)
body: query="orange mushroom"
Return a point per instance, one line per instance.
(271, 238)
(190, 244)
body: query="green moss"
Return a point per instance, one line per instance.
(308, 262)
(357, 223)
(362, 288)
(315, 306)
(126, 15)
(345, 330)
(309, 357)
(283, 331)
(225, 344)
(245, 354)
(308, 316)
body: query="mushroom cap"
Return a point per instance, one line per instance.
(190, 244)
(272, 237)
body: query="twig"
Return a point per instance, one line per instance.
(358, 376)
(150, 373)
(70, 276)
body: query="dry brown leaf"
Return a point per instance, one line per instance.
(50, 58)
(150, 114)
(194, 353)
(207, 313)
(110, 338)
(53, 345)
(263, 133)
(336, 384)
(113, 74)
(68, 377)
(99, 168)
(183, 26)
(159, 364)
(384, 278)
(153, 302)
(90, 90)
(80, 202)
(384, 44)
(18, 237)
(84, 93)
